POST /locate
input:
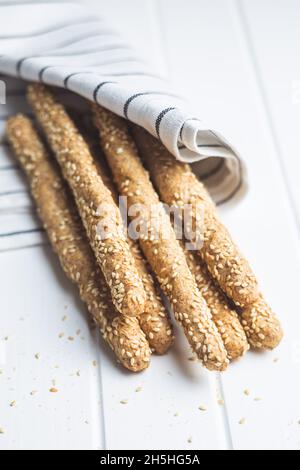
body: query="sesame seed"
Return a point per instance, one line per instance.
(202, 408)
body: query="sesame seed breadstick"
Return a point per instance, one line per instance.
(178, 185)
(226, 319)
(261, 325)
(68, 239)
(162, 252)
(112, 252)
(154, 319)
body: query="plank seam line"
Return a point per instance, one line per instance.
(23, 247)
(102, 405)
(222, 411)
(157, 13)
(247, 44)
(158, 25)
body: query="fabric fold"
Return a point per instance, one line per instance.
(62, 44)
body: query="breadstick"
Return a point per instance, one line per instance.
(178, 185)
(154, 319)
(261, 325)
(224, 317)
(163, 253)
(112, 251)
(68, 239)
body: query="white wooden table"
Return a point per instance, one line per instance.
(238, 62)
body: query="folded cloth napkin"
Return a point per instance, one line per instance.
(62, 43)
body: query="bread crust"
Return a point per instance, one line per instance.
(68, 239)
(178, 185)
(72, 153)
(164, 254)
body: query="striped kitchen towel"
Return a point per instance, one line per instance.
(63, 43)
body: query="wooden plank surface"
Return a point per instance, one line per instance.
(223, 56)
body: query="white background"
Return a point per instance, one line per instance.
(238, 62)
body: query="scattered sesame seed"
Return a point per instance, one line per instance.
(190, 440)
(13, 403)
(33, 392)
(95, 363)
(202, 408)
(37, 355)
(247, 392)
(124, 402)
(221, 402)
(53, 390)
(242, 421)
(257, 399)
(138, 389)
